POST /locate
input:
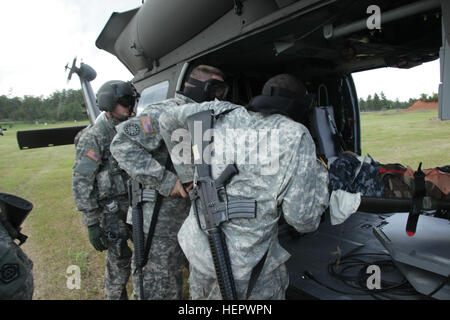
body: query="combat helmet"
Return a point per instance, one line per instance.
(113, 92)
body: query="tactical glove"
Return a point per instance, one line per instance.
(95, 237)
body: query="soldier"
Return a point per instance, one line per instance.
(293, 182)
(99, 186)
(16, 276)
(139, 149)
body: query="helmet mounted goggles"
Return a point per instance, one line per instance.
(206, 90)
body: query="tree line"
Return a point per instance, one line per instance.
(379, 102)
(65, 105)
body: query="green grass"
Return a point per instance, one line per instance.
(406, 137)
(57, 238)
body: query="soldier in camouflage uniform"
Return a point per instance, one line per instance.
(298, 189)
(139, 149)
(99, 186)
(16, 276)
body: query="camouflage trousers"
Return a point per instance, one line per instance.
(118, 266)
(269, 286)
(163, 273)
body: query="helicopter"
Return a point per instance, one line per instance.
(322, 42)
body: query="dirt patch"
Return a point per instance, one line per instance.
(422, 105)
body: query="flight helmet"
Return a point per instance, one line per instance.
(113, 92)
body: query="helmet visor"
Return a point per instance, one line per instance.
(126, 101)
(123, 89)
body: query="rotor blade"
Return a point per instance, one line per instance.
(72, 70)
(47, 137)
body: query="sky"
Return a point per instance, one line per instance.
(38, 38)
(399, 83)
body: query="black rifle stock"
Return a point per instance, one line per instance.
(210, 215)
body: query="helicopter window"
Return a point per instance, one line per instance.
(153, 94)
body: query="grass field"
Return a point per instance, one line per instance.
(406, 137)
(57, 238)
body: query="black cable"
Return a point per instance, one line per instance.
(308, 275)
(358, 281)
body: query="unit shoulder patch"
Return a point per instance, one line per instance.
(147, 124)
(93, 155)
(132, 129)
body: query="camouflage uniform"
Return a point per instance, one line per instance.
(16, 276)
(97, 181)
(298, 189)
(139, 149)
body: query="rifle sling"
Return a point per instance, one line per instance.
(151, 229)
(255, 274)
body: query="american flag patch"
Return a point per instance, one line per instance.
(147, 124)
(93, 155)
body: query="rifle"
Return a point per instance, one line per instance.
(137, 195)
(111, 234)
(137, 218)
(213, 212)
